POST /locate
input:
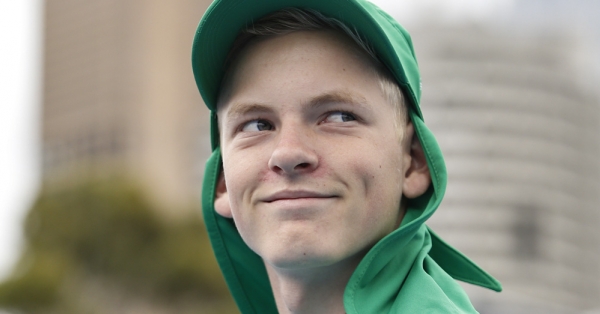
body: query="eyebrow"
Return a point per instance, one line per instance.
(238, 110)
(328, 98)
(337, 97)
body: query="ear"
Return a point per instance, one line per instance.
(222, 206)
(416, 171)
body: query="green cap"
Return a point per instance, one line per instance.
(224, 19)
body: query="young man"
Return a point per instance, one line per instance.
(323, 172)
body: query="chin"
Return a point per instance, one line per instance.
(298, 259)
(302, 259)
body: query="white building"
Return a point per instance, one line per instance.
(521, 138)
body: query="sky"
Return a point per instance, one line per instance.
(20, 91)
(20, 60)
(446, 10)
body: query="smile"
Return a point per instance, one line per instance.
(296, 195)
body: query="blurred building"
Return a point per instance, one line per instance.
(119, 95)
(520, 134)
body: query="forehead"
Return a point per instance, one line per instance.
(289, 53)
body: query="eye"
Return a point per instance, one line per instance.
(339, 116)
(256, 126)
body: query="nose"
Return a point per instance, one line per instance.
(294, 153)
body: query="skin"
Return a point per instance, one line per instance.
(314, 166)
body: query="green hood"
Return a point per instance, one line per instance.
(411, 270)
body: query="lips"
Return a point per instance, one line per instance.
(293, 195)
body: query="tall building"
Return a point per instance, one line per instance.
(520, 134)
(119, 95)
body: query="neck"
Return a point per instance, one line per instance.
(316, 290)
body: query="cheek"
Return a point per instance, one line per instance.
(235, 179)
(244, 172)
(375, 201)
(381, 174)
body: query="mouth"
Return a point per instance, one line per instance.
(296, 195)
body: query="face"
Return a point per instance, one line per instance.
(313, 163)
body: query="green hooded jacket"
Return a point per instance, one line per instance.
(411, 270)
